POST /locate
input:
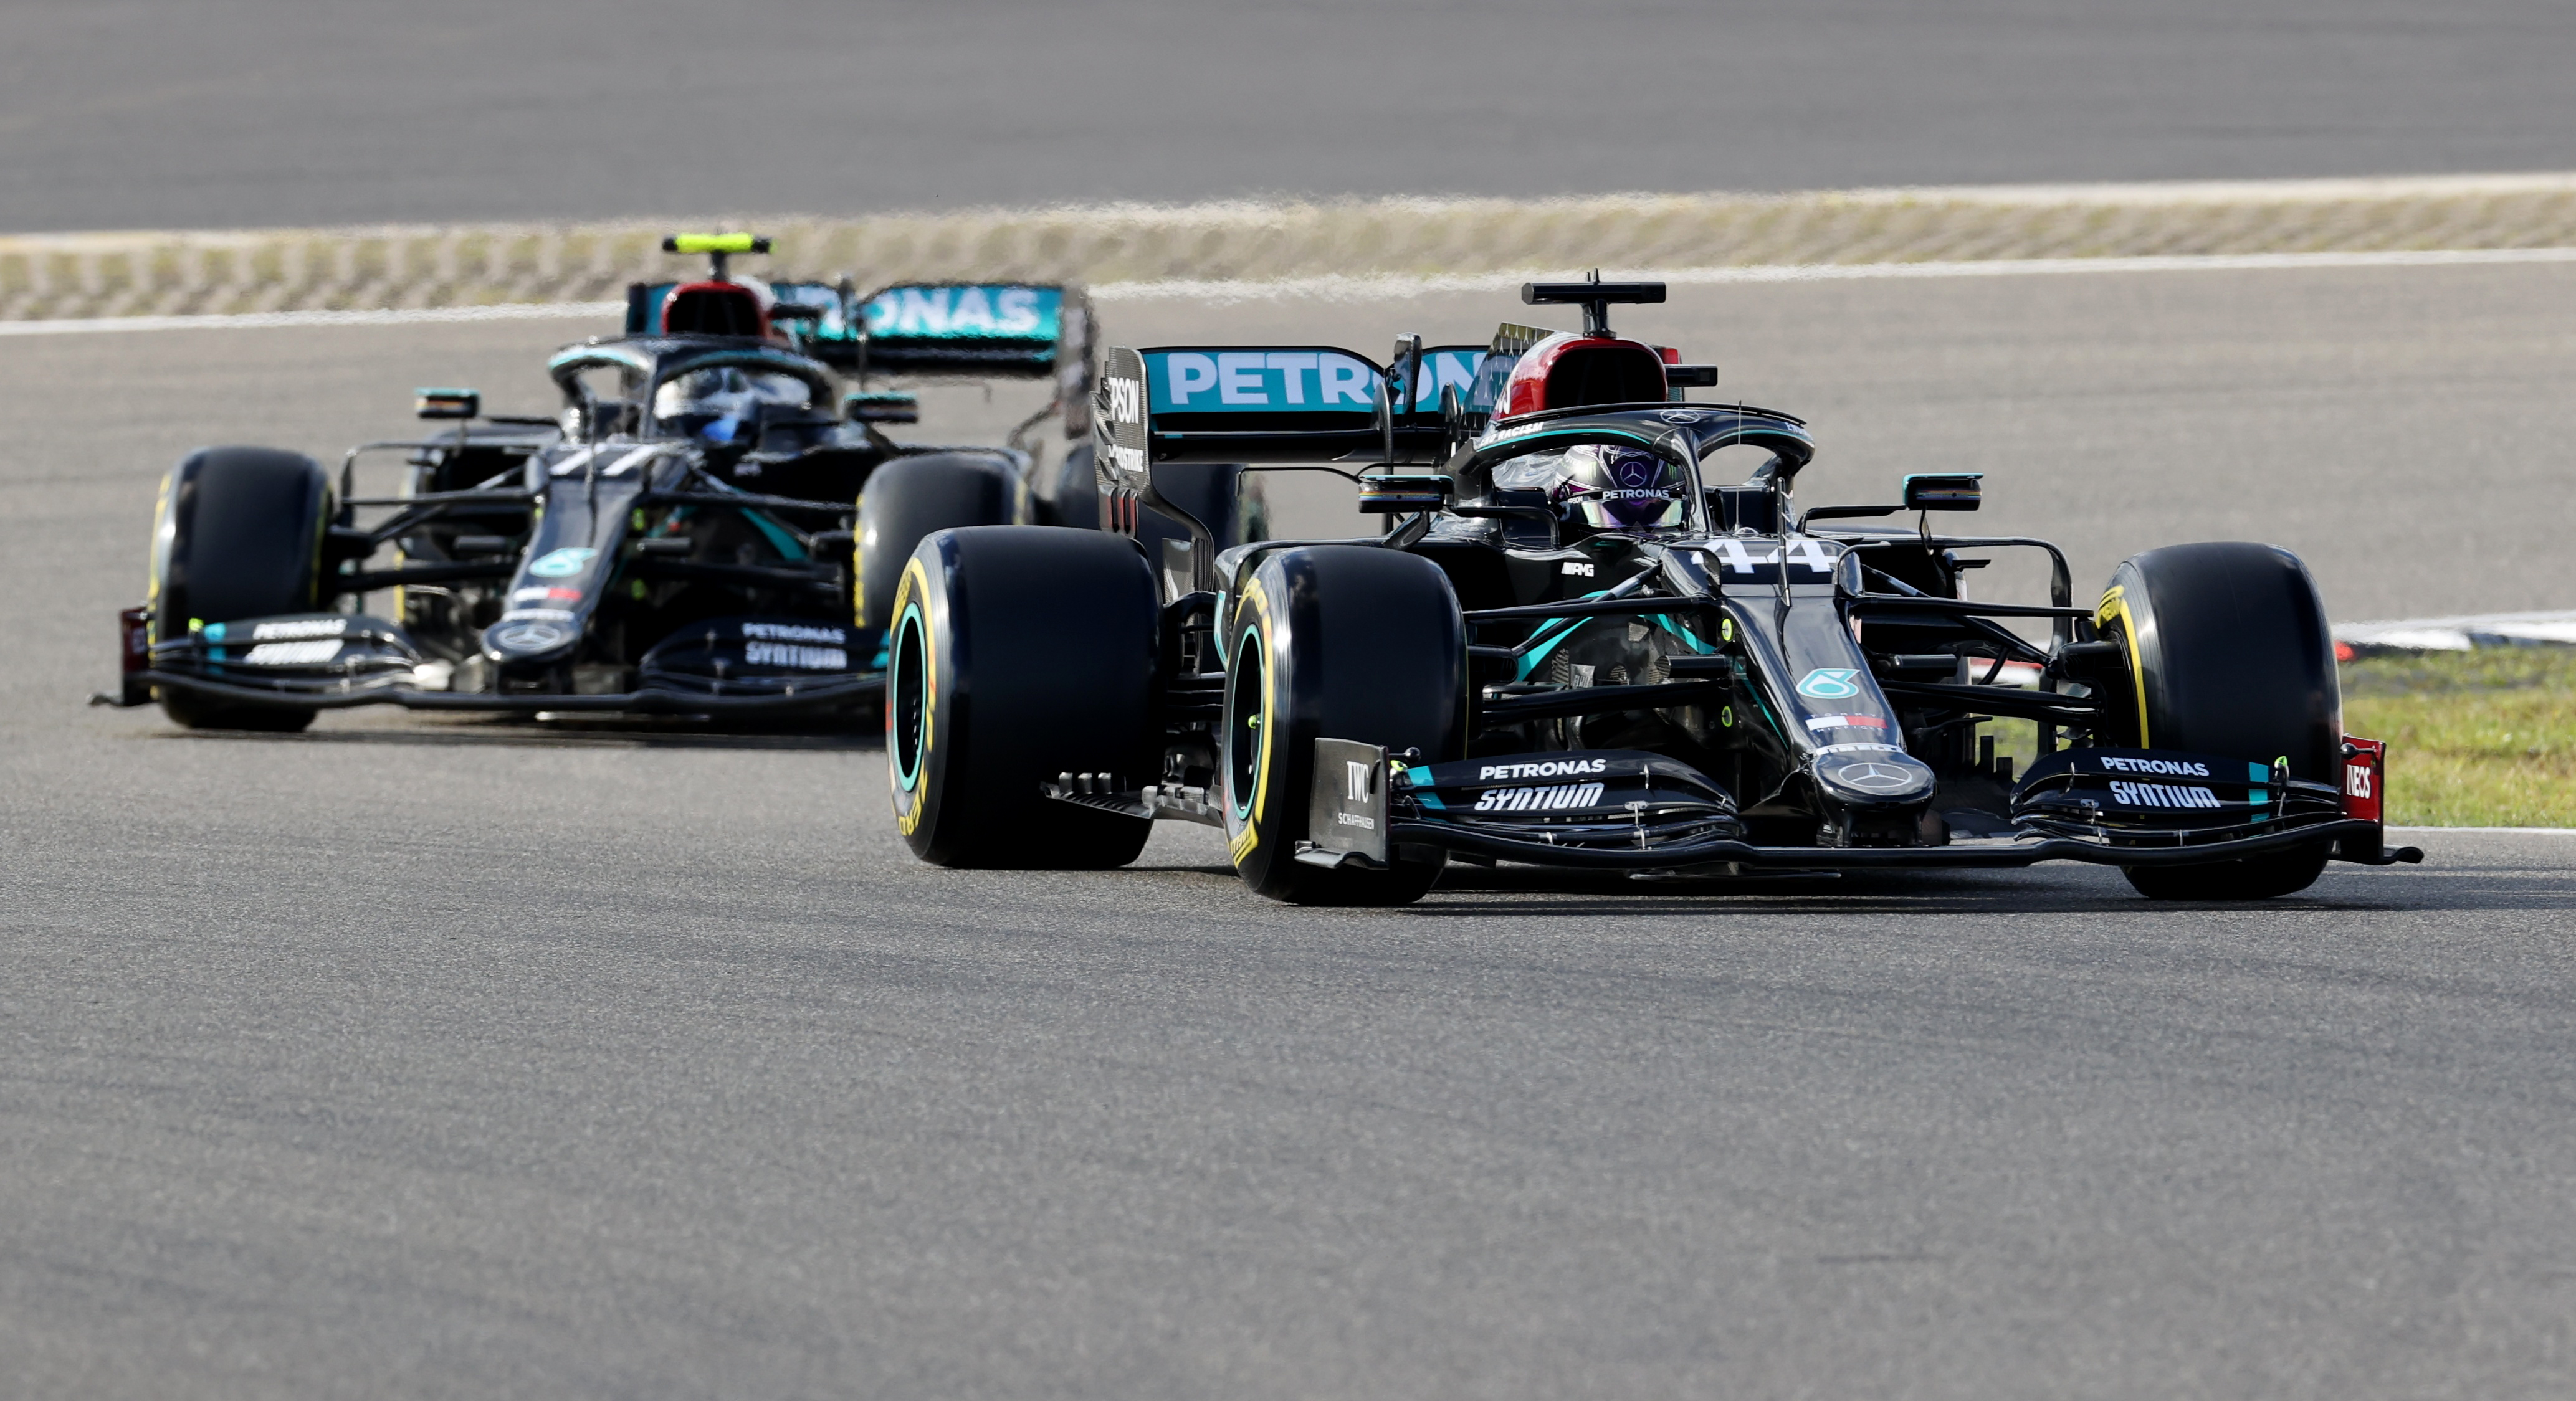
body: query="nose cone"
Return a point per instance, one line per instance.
(516, 641)
(1875, 776)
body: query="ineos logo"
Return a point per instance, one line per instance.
(1125, 398)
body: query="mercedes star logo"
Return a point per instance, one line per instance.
(1871, 776)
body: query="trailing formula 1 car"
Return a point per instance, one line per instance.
(1569, 650)
(710, 526)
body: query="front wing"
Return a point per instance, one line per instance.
(1613, 811)
(332, 661)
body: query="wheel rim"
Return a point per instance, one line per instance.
(1245, 724)
(908, 717)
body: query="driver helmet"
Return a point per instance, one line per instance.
(1597, 487)
(716, 404)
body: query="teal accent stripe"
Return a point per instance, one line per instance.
(1243, 641)
(778, 536)
(1685, 634)
(909, 778)
(1770, 719)
(1530, 662)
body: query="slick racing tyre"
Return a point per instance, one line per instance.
(1335, 642)
(910, 497)
(239, 536)
(1019, 653)
(2229, 653)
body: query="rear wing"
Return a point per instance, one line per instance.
(1264, 404)
(976, 330)
(832, 336)
(981, 330)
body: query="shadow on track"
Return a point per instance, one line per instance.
(1472, 892)
(629, 733)
(2043, 890)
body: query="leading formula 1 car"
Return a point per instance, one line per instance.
(1570, 650)
(708, 527)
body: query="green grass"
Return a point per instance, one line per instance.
(2475, 739)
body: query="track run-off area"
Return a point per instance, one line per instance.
(419, 1056)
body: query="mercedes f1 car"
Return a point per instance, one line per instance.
(710, 526)
(1570, 650)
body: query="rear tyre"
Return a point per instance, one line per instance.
(2229, 654)
(1019, 653)
(1072, 494)
(1335, 642)
(239, 536)
(908, 498)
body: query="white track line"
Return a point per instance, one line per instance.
(288, 320)
(2461, 634)
(2494, 831)
(1338, 287)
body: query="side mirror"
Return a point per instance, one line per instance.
(1691, 376)
(795, 311)
(1394, 495)
(1949, 491)
(882, 408)
(447, 403)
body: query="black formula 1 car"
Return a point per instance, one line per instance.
(1569, 650)
(709, 526)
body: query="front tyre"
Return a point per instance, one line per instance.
(2229, 654)
(1018, 653)
(239, 536)
(1348, 642)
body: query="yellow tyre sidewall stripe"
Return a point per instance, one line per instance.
(1256, 604)
(910, 806)
(2115, 604)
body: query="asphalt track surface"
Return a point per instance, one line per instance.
(247, 113)
(432, 1057)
